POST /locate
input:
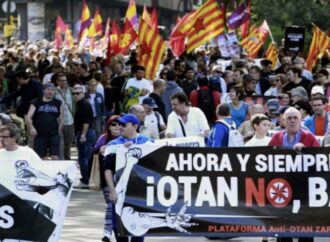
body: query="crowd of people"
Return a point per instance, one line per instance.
(56, 97)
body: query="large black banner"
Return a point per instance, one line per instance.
(223, 192)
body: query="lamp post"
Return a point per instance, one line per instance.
(8, 18)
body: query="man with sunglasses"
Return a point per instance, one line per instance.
(129, 124)
(85, 133)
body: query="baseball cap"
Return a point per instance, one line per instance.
(150, 102)
(273, 104)
(316, 90)
(48, 85)
(129, 118)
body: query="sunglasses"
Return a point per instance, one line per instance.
(76, 93)
(115, 124)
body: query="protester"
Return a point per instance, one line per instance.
(260, 124)
(171, 88)
(45, 123)
(85, 133)
(11, 151)
(294, 137)
(112, 131)
(185, 120)
(318, 122)
(159, 89)
(64, 94)
(219, 134)
(129, 124)
(239, 110)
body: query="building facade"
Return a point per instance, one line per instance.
(35, 19)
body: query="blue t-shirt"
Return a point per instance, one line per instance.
(239, 115)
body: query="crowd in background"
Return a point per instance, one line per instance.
(59, 96)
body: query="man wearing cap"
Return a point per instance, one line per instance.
(129, 124)
(273, 106)
(45, 122)
(318, 122)
(153, 118)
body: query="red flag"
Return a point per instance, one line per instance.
(245, 27)
(59, 29)
(154, 19)
(127, 37)
(113, 42)
(177, 38)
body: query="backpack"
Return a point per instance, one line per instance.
(235, 138)
(206, 104)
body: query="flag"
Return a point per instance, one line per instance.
(113, 42)
(320, 42)
(245, 26)
(131, 14)
(207, 23)
(145, 15)
(127, 37)
(272, 54)
(106, 36)
(239, 16)
(255, 40)
(96, 27)
(114, 38)
(59, 29)
(68, 39)
(151, 49)
(85, 20)
(154, 19)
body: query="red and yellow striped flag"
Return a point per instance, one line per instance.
(151, 49)
(272, 54)
(320, 42)
(206, 23)
(256, 39)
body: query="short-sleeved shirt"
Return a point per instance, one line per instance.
(45, 117)
(196, 124)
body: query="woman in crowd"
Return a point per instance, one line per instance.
(305, 109)
(239, 110)
(112, 132)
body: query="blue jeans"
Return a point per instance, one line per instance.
(85, 151)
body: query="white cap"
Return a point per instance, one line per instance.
(317, 89)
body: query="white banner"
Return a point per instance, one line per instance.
(34, 196)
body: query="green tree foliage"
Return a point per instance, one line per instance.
(282, 13)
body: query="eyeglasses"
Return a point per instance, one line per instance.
(114, 124)
(5, 136)
(76, 93)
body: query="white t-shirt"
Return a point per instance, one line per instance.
(196, 124)
(140, 84)
(151, 123)
(258, 142)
